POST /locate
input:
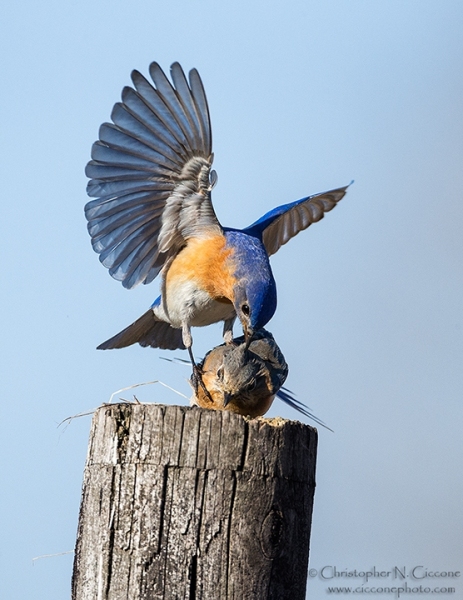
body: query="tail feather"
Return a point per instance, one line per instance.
(288, 397)
(148, 330)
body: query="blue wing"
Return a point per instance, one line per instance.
(281, 224)
(151, 174)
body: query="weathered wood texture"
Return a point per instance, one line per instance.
(182, 502)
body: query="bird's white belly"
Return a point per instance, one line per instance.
(186, 303)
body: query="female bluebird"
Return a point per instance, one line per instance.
(151, 176)
(245, 380)
(242, 379)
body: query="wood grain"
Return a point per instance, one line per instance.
(181, 502)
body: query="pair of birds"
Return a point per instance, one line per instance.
(151, 176)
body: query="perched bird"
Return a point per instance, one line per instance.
(246, 380)
(152, 179)
(242, 379)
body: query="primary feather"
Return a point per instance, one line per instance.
(281, 224)
(150, 174)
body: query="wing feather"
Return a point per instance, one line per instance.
(140, 108)
(131, 125)
(201, 107)
(150, 175)
(110, 155)
(186, 99)
(170, 96)
(111, 205)
(118, 247)
(284, 222)
(124, 142)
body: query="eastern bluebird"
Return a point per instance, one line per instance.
(246, 381)
(152, 179)
(241, 379)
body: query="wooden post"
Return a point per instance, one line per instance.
(183, 502)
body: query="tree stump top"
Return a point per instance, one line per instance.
(201, 439)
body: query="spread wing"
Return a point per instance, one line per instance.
(151, 175)
(284, 222)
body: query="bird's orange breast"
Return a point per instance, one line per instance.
(208, 263)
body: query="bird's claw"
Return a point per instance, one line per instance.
(197, 380)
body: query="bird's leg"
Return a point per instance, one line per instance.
(228, 330)
(197, 372)
(198, 377)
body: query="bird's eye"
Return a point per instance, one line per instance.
(258, 382)
(220, 373)
(245, 309)
(252, 386)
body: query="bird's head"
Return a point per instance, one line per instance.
(255, 304)
(246, 383)
(254, 289)
(237, 380)
(241, 379)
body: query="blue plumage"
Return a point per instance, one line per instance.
(255, 282)
(151, 178)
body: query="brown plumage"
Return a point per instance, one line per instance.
(244, 381)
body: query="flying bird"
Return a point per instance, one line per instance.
(151, 176)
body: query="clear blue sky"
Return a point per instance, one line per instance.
(304, 96)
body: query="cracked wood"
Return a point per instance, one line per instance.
(182, 502)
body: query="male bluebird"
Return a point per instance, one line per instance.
(152, 179)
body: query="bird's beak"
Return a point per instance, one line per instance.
(248, 335)
(226, 399)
